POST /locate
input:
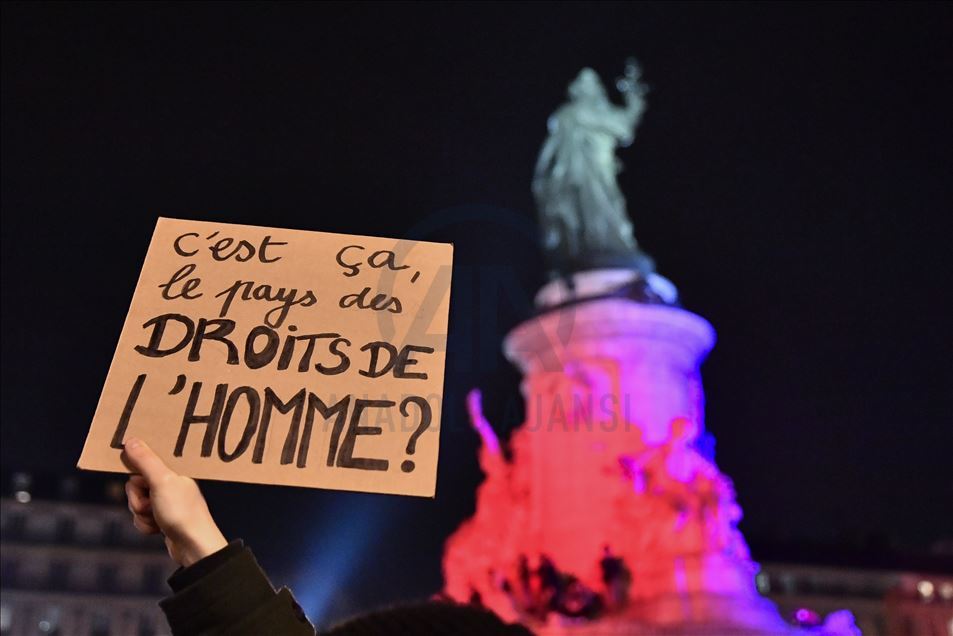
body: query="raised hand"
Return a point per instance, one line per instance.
(162, 501)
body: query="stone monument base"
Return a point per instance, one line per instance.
(605, 506)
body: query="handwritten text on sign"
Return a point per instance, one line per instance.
(282, 357)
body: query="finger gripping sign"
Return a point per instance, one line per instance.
(282, 357)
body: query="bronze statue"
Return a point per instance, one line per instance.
(582, 211)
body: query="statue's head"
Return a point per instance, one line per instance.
(587, 85)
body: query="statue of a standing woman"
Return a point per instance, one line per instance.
(582, 211)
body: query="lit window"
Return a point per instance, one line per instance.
(49, 620)
(925, 588)
(6, 619)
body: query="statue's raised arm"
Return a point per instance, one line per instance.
(633, 91)
(582, 211)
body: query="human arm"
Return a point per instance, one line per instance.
(219, 590)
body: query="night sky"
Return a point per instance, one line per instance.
(792, 176)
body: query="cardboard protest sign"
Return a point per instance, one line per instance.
(282, 357)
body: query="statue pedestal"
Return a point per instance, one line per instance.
(652, 352)
(605, 467)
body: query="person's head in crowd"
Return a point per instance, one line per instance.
(433, 618)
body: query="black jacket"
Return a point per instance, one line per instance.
(227, 593)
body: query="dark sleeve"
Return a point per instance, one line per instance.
(228, 594)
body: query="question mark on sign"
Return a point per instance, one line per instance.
(425, 416)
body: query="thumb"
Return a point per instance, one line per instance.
(144, 461)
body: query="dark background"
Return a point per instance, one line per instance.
(792, 176)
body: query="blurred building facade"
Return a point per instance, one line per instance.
(883, 602)
(72, 562)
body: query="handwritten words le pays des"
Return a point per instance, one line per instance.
(282, 357)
